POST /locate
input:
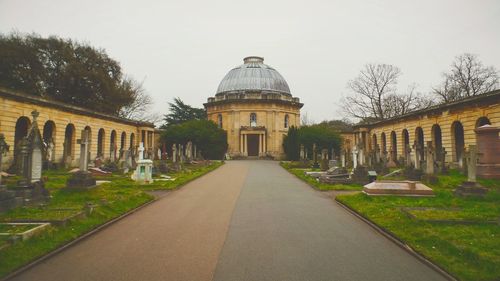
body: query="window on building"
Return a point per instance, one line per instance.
(253, 120)
(219, 120)
(286, 121)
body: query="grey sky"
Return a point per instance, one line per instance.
(184, 48)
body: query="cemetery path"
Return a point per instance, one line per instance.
(282, 229)
(248, 220)
(179, 237)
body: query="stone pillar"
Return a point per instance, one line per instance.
(241, 144)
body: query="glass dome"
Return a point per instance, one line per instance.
(253, 75)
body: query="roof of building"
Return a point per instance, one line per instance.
(486, 98)
(9, 94)
(253, 75)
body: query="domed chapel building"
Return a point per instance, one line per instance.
(253, 104)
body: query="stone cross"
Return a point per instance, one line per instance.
(472, 157)
(141, 151)
(355, 157)
(430, 154)
(4, 147)
(84, 150)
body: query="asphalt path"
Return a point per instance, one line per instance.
(248, 220)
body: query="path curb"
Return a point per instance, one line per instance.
(398, 242)
(92, 232)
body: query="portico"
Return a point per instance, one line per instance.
(253, 141)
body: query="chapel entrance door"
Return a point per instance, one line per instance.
(253, 145)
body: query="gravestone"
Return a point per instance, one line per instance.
(302, 152)
(174, 153)
(49, 153)
(430, 154)
(392, 162)
(417, 148)
(488, 144)
(324, 159)
(355, 157)
(144, 170)
(361, 156)
(315, 157)
(82, 179)
(30, 186)
(408, 160)
(471, 187)
(189, 151)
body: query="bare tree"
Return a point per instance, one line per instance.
(468, 77)
(140, 108)
(400, 104)
(374, 83)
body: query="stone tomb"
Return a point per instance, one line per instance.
(488, 142)
(144, 170)
(400, 188)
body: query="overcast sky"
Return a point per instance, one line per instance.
(184, 48)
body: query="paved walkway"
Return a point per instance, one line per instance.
(248, 220)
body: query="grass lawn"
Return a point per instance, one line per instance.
(299, 172)
(109, 201)
(462, 235)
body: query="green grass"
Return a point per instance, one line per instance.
(299, 172)
(468, 251)
(109, 200)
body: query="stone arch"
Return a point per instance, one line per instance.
(383, 143)
(419, 140)
(406, 143)
(69, 143)
(49, 131)
(374, 141)
(436, 135)
(123, 140)
(394, 146)
(132, 141)
(481, 121)
(457, 141)
(112, 145)
(23, 124)
(100, 142)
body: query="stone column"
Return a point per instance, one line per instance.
(241, 144)
(260, 144)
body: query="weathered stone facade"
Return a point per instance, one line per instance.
(63, 124)
(448, 126)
